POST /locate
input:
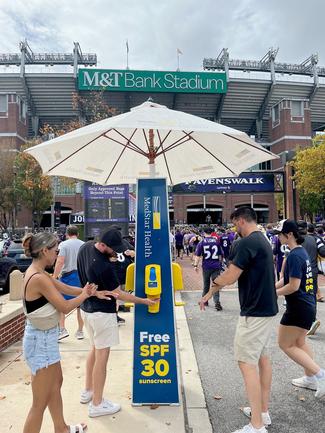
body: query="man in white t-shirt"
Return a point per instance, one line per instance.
(66, 269)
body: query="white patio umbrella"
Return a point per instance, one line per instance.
(177, 145)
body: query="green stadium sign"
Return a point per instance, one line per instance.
(118, 80)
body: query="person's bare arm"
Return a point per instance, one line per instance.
(128, 297)
(58, 266)
(43, 284)
(65, 288)
(291, 287)
(230, 276)
(75, 291)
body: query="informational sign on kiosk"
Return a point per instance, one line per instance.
(154, 361)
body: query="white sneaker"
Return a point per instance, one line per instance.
(86, 396)
(250, 429)
(320, 387)
(63, 333)
(309, 382)
(79, 335)
(313, 328)
(265, 415)
(106, 407)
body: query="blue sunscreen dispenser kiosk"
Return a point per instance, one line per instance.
(155, 378)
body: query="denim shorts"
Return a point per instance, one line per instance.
(40, 348)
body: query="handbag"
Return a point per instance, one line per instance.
(44, 318)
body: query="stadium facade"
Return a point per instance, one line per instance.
(281, 105)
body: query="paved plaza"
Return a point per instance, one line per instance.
(207, 370)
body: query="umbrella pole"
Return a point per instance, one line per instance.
(152, 170)
(152, 155)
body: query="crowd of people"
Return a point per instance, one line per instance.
(89, 276)
(252, 264)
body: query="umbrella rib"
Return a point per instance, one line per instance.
(228, 168)
(129, 139)
(120, 156)
(176, 143)
(78, 150)
(135, 149)
(145, 137)
(172, 146)
(164, 154)
(162, 142)
(248, 144)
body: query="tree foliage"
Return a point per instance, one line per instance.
(311, 204)
(309, 166)
(21, 180)
(8, 198)
(33, 188)
(309, 174)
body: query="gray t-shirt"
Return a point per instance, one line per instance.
(69, 250)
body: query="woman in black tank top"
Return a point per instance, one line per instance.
(40, 345)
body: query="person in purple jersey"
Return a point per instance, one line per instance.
(225, 245)
(179, 242)
(212, 254)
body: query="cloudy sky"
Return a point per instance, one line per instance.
(156, 28)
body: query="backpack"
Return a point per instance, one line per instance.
(321, 254)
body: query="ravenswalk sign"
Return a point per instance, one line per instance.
(155, 378)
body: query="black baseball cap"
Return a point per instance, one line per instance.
(286, 226)
(113, 239)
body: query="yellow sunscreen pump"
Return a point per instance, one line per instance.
(152, 285)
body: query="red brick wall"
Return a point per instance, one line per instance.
(12, 331)
(227, 201)
(12, 124)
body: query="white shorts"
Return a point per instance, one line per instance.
(102, 329)
(252, 338)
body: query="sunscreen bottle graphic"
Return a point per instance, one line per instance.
(153, 286)
(156, 212)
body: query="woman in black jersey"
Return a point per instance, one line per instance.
(297, 287)
(42, 301)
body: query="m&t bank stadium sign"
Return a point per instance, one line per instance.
(151, 81)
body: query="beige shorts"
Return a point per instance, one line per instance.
(252, 338)
(102, 329)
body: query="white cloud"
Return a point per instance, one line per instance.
(155, 29)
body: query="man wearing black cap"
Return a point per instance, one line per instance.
(100, 316)
(124, 257)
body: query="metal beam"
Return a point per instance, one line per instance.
(220, 105)
(28, 57)
(269, 59)
(261, 65)
(314, 61)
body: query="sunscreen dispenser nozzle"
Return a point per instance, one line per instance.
(153, 286)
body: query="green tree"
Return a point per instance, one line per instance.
(310, 204)
(309, 166)
(309, 174)
(279, 203)
(8, 198)
(33, 188)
